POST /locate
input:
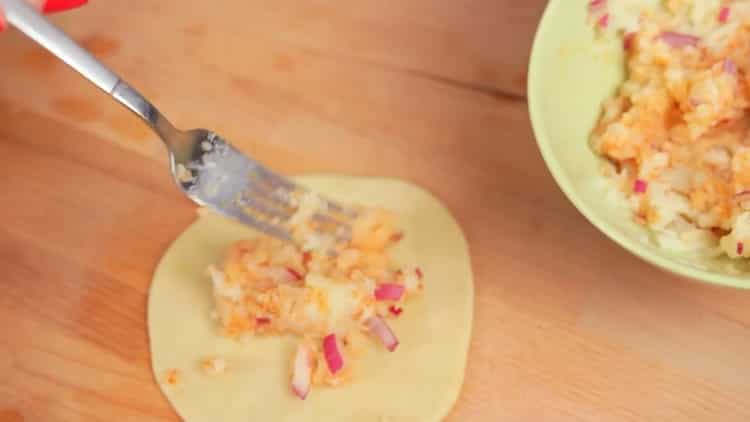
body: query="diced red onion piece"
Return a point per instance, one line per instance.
(380, 328)
(595, 5)
(724, 14)
(294, 273)
(742, 196)
(640, 186)
(719, 232)
(740, 248)
(678, 39)
(332, 354)
(419, 273)
(395, 310)
(302, 373)
(627, 42)
(729, 67)
(389, 291)
(603, 21)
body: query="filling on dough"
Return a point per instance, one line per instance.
(334, 293)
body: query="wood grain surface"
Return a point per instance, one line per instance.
(568, 326)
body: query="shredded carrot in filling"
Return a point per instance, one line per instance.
(213, 366)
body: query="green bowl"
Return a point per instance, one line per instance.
(570, 75)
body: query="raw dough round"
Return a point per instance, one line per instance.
(419, 382)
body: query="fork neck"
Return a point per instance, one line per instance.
(139, 105)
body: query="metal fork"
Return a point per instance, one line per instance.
(208, 169)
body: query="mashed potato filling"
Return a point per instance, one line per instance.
(331, 294)
(677, 133)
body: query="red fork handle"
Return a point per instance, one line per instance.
(51, 6)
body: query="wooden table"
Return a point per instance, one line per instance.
(568, 326)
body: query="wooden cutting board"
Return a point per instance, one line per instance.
(568, 326)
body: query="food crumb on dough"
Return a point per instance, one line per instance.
(214, 366)
(172, 377)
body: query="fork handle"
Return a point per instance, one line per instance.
(24, 17)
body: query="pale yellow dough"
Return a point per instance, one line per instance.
(418, 383)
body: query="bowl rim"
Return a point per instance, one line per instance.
(542, 140)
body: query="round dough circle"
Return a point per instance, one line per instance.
(419, 382)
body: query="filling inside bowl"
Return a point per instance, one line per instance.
(676, 136)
